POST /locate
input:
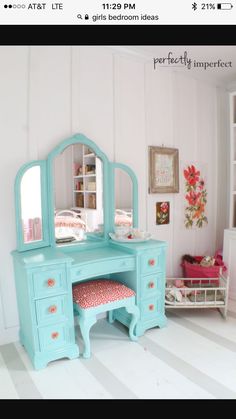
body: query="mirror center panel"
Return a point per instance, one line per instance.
(78, 194)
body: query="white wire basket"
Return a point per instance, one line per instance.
(198, 293)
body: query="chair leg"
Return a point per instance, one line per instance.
(134, 310)
(85, 326)
(110, 316)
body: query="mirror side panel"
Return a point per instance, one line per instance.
(123, 199)
(124, 204)
(31, 206)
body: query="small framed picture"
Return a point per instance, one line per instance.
(163, 170)
(162, 213)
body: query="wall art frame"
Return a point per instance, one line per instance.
(163, 170)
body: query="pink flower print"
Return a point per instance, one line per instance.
(193, 197)
(191, 175)
(164, 207)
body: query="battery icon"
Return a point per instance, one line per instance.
(224, 6)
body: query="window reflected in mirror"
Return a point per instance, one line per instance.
(123, 199)
(78, 193)
(31, 206)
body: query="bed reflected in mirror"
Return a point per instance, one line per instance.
(31, 206)
(78, 194)
(123, 199)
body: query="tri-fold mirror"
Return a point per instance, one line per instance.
(75, 196)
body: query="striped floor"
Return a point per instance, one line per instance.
(194, 357)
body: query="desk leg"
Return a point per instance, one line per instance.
(85, 326)
(134, 310)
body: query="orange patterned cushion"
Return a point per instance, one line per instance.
(99, 291)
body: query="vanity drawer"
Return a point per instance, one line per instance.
(102, 268)
(150, 308)
(51, 310)
(149, 285)
(53, 337)
(49, 281)
(151, 261)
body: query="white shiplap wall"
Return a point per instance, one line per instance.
(121, 103)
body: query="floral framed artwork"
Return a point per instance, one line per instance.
(195, 197)
(163, 170)
(162, 213)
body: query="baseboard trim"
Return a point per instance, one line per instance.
(9, 335)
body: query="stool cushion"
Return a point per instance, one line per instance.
(101, 291)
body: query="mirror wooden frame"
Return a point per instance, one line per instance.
(47, 197)
(21, 245)
(77, 139)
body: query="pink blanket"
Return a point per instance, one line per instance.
(123, 220)
(69, 221)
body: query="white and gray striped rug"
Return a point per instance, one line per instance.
(194, 357)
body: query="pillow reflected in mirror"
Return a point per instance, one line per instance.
(69, 226)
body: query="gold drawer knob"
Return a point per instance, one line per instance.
(151, 307)
(52, 309)
(151, 284)
(54, 335)
(151, 262)
(51, 282)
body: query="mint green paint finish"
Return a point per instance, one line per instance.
(148, 281)
(102, 268)
(42, 257)
(42, 275)
(78, 139)
(21, 246)
(128, 263)
(87, 318)
(48, 204)
(52, 310)
(45, 312)
(44, 272)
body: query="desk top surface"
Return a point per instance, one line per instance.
(49, 255)
(46, 256)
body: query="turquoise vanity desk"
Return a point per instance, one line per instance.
(56, 251)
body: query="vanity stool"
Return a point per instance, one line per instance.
(96, 296)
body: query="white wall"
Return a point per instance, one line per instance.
(49, 93)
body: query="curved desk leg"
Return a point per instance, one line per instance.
(134, 310)
(85, 326)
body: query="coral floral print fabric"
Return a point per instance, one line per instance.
(195, 198)
(96, 292)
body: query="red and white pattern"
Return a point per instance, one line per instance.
(123, 218)
(67, 221)
(101, 291)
